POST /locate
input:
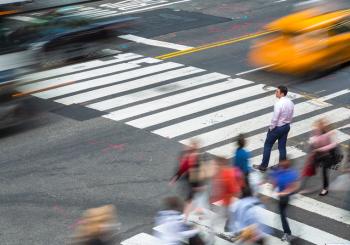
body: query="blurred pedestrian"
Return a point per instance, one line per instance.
(347, 171)
(322, 144)
(188, 172)
(241, 158)
(279, 128)
(285, 178)
(245, 220)
(226, 185)
(98, 226)
(172, 228)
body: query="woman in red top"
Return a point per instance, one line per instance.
(189, 161)
(227, 182)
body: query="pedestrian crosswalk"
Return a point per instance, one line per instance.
(108, 10)
(182, 102)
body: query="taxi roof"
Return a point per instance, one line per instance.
(308, 20)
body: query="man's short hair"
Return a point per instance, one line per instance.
(241, 141)
(283, 89)
(174, 203)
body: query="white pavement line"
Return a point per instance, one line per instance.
(147, 60)
(148, 8)
(79, 67)
(138, 83)
(297, 128)
(153, 42)
(336, 94)
(107, 80)
(304, 231)
(142, 239)
(75, 77)
(24, 18)
(149, 93)
(215, 117)
(174, 99)
(294, 152)
(230, 131)
(198, 106)
(256, 69)
(312, 205)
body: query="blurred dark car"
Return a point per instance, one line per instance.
(59, 35)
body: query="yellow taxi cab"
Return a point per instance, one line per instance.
(304, 42)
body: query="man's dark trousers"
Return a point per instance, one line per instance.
(280, 134)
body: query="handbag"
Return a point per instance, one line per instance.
(337, 155)
(310, 167)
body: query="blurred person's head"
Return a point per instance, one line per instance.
(96, 222)
(286, 163)
(193, 146)
(173, 203)
(281, 91)
(246, 191)
(322, 126)
(241, 141)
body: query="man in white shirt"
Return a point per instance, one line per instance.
(279, 128)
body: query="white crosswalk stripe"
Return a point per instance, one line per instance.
(199, 105)
(146, 92)
(150, 93)
(297, 128)
(80, 67)
(174, 100)
(105, 80)
(118, 88)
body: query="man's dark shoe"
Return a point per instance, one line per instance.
(259, 167)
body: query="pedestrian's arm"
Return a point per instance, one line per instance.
(276, 115)
(290, 189)
(331, 145)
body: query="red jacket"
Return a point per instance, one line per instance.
(226, 185)
(187, 161)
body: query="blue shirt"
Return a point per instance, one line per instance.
(284, 177)
(241, 160)
(243, 213)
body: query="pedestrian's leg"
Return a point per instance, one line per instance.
(282, 142)
(347, 201)
(270, 140)
(325, 178)
(325, 181)
(283, 204)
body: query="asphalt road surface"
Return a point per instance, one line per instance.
(113, 126)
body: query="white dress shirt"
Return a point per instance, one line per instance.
(282, 113)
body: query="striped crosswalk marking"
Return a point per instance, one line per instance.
(297, 128)
(306, 232)
(106, 80)
(230, 131)
(177, 101)
(198, 106)
(118, 88)
(312, 205)
(80, 67)
(74, 77)
(294, 152)
(189, 83)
